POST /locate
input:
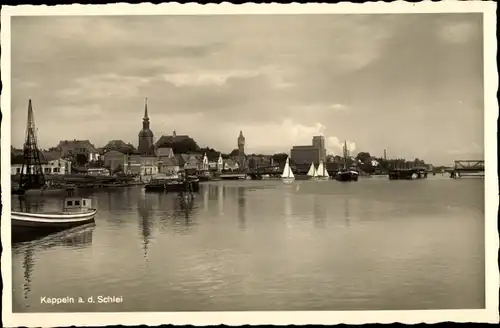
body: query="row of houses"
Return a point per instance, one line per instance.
(165, 162)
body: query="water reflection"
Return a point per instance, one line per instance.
(346, 212)
(242, 207)
(144, 208)
(319, 211)
(80, 237)
(177, 210)
(287, 210)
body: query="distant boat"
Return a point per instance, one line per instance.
(287, 175)
(321, 172)
(345, 174)
(312, 174)
(76, 211)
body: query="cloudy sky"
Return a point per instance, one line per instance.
(412, 84)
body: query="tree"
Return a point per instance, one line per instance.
(364, 160)
(280, 158)
(81, 159)
(183, 146)
(234, 153)
(252, 163)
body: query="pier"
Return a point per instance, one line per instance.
(467, 168)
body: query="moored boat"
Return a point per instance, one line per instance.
(346, 174)
(76, 211)
(177, 185)
(312, 173)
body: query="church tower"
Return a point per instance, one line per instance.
(241, 150)
(146, 135)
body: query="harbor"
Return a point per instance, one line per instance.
(156, 250)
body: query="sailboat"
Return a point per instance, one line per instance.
(322, 173)
(312, 174)
(346, 174)
(287, 175)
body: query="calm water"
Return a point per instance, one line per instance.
(256, 245)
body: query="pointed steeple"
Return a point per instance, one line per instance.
(146, 109)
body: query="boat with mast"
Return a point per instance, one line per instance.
(287, 176)
(32, 180)
(345, 173)
(312, 174)
(321, 172)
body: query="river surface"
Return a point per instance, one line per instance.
(263, 245)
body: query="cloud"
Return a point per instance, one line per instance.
(282, 79)
(457, 32)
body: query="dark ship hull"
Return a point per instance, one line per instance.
(346, 176)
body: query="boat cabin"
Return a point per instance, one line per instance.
(77, 203)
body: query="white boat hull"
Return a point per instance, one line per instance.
(53, 221)
(288, 180)
(322, 178)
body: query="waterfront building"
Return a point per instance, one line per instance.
(204, 163)
(146, 144)
(318, 142)
(169, 166)
(230, 165)
(78, 149)
(314, 153)
(241, 150)
(57, 166)
(118, 145)
(116, 161)
(304, 155)
(165, 153)
(168, 139)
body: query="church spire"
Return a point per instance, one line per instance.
(146, 109)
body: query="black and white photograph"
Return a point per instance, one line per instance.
(249, 164)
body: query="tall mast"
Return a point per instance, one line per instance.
(31, 170)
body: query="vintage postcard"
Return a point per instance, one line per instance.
(249, 164)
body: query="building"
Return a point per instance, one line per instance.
(165, 153)
(313, 153)
(169, 166)
(230, 165)
(318, 142)
(78, 149)
(118, 145)
(116, 161)
(241, 150)
(52, 167)
(169, 139)
(304, 154)
(146, 144)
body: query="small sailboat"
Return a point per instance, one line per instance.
(76, 211)
(287, 175)
(312, 174)
(322, 173)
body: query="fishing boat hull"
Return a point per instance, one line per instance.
(22, 222)
(172, 186)
(346, 176)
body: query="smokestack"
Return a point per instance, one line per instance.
(385, 154)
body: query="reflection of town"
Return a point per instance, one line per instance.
(75, 238)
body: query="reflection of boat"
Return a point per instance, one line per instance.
(76, 211)
(321, 172)
(287, 175)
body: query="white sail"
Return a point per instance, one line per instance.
(325, 172)
(312, 171)
(287, 171)
(321, 169)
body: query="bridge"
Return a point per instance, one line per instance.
(467, 167)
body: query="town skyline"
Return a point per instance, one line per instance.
(376, 81)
